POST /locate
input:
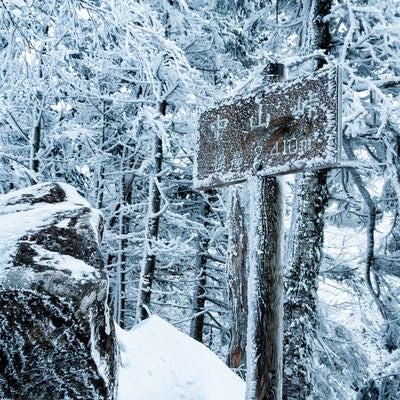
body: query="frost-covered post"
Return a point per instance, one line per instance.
(265, 287)
(237, 280)
(265, 319)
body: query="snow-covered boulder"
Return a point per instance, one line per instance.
(161, 363)
(56, 337)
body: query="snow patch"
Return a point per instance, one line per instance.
(78, 268)
(73, 196)
(161, 363)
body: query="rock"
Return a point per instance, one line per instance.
(57, 340)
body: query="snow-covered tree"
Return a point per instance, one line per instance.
(366, 44)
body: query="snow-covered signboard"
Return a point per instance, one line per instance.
(287, 127)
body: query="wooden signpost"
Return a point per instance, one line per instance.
(284, 128)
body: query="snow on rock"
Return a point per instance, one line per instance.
(161, 363)
(56, 339)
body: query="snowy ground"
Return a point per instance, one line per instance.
(161, 363)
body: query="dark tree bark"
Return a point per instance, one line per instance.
(322, 37)
(200, 294)
(103, 138)
(37, 129)
(150, 258)
(124, 230)
(36, 144)
(149, 266)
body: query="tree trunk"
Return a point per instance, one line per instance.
(149, 262)
(300, 308)
(37, 129)
(36, 144)
(120, 272)
(150, 259)
(101, 173)
(237, 282)
(199, 297)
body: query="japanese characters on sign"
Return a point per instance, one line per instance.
(283, 128)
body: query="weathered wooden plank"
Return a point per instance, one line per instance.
(286, 127)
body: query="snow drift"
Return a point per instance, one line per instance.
(161, 363)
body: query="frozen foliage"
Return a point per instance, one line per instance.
(366, 196)
(161, 363)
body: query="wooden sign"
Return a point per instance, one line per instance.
(283, 128)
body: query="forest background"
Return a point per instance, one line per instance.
(105, 95)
